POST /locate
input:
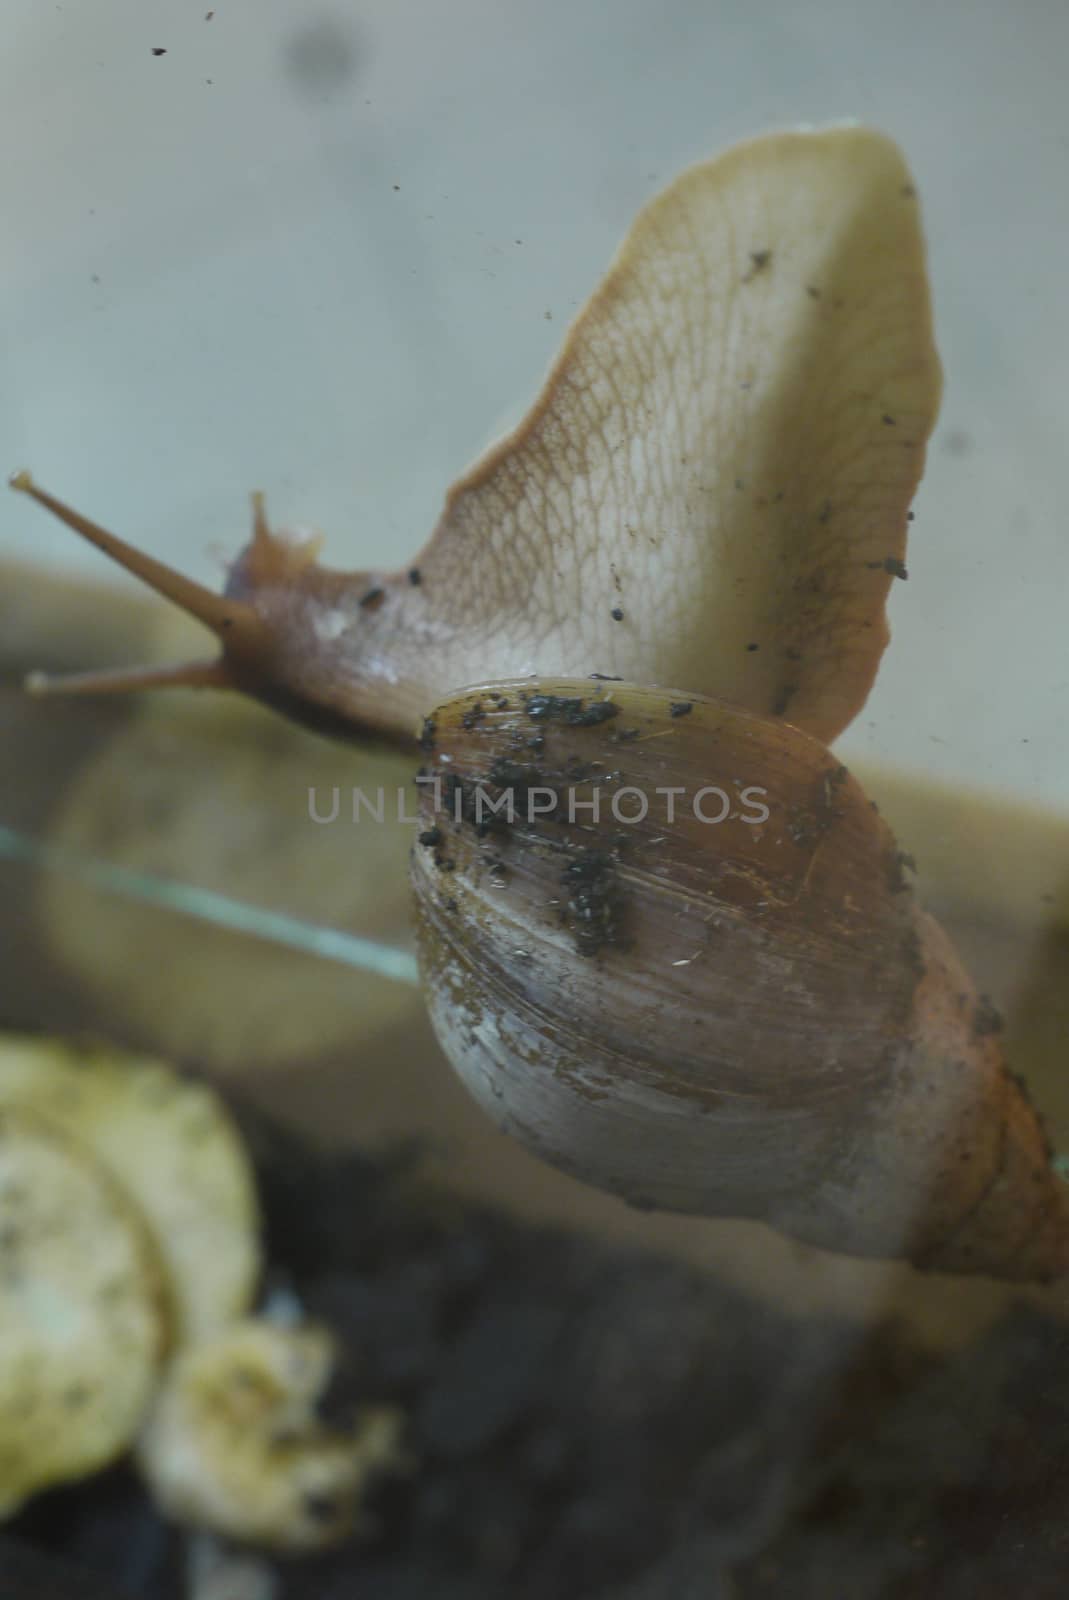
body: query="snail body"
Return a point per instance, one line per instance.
(733, 1014)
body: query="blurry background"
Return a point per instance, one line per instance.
(328, 249)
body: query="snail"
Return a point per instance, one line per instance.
(672, 576)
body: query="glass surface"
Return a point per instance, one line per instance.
(328, 252)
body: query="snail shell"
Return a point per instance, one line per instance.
(746, 1017)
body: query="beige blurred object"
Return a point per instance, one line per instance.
(233, 1443)
(212, 794)
(130, 1231)
(131, 1255)
(173, 1149)
(83, 1310)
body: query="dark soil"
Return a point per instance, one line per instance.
(592, 1424)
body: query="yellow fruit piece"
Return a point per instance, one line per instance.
(234, 1445)
(82, 1311)
(174, 1150)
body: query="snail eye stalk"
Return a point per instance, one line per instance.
(227, 619)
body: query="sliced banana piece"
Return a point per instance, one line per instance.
(175, 1150)
(82, 1311)
(233, 1443)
